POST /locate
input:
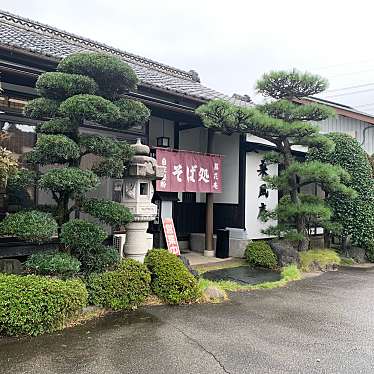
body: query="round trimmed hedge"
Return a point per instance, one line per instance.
(91, 108)
(171, 280)
(79, 234)
(133, 113)
(41, 108)
(124, 288)
(69, 179)
(259, 253)
(113, 76)
(57, 126)
(109, 212)
(29, 225)
(33, 305)
(53, 149)
(53, 263)
(57, 85)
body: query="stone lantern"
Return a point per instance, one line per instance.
(137, 196)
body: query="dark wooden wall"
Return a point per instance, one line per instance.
(190, 217)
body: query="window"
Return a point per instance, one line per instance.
(143, 189)
(21, 138)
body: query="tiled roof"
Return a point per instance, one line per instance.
(25, 34)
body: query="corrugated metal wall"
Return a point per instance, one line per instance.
(352, 127)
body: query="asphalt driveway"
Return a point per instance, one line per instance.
(317, 325)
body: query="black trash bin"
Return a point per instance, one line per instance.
(223, 243)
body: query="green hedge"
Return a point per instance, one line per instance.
(41, 108)
(171, 280)
(79, 234)
(113, 75)
(260, 254)
(124, 288)
(98, 258)
(53, 263)
(56, 85)
(29, 225)
(34, 305)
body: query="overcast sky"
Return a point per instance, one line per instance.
(231, 43)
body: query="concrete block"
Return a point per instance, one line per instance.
(197, 242)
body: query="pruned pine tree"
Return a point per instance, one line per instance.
(285, 123)
(86, 88)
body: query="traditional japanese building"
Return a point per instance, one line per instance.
(29, 48)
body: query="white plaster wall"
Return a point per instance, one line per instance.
(252, 201)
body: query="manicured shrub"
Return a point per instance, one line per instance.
(124, 288)
(113, 76)
(29, 225)
(171, 280)
(69, 180)
(91, 108)
(57, 126)
(133, 113)
(41, 108)
(259, 253)
(98, 258)
(51, 149)
(109, 212)
(53, 263)
(80, 235)
(62, 85)
(34, 305)
(321, 259)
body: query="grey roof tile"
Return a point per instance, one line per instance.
(25, 34)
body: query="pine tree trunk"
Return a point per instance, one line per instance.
(303, 245)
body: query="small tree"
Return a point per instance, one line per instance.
(355, 215)
(86, 88)
(286, 124)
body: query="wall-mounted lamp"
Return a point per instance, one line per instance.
(163, 141)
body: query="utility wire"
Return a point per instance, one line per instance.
(350, 87)
(350, 93)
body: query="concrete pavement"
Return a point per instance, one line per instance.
(318, 325)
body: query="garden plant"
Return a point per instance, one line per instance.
(88, 89)
(285, 123)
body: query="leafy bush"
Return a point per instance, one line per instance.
(90, 107)
(54, 85)
(133, 113)
(53, 263)
(34, 305)
(123, 288)
(109, 212)
(320, 259)
(69, 180)
(57, 126)
(171, 280)
(113, 76)
(80, 235)
(51, 149)
(259, 253)
(97, 259)
(369, 250)
(41, 108)
(29, 225)
(355, 215)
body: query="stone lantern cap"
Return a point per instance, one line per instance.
(142, 165)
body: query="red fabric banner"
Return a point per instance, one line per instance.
(189, 172)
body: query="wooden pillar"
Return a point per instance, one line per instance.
(209, 248)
